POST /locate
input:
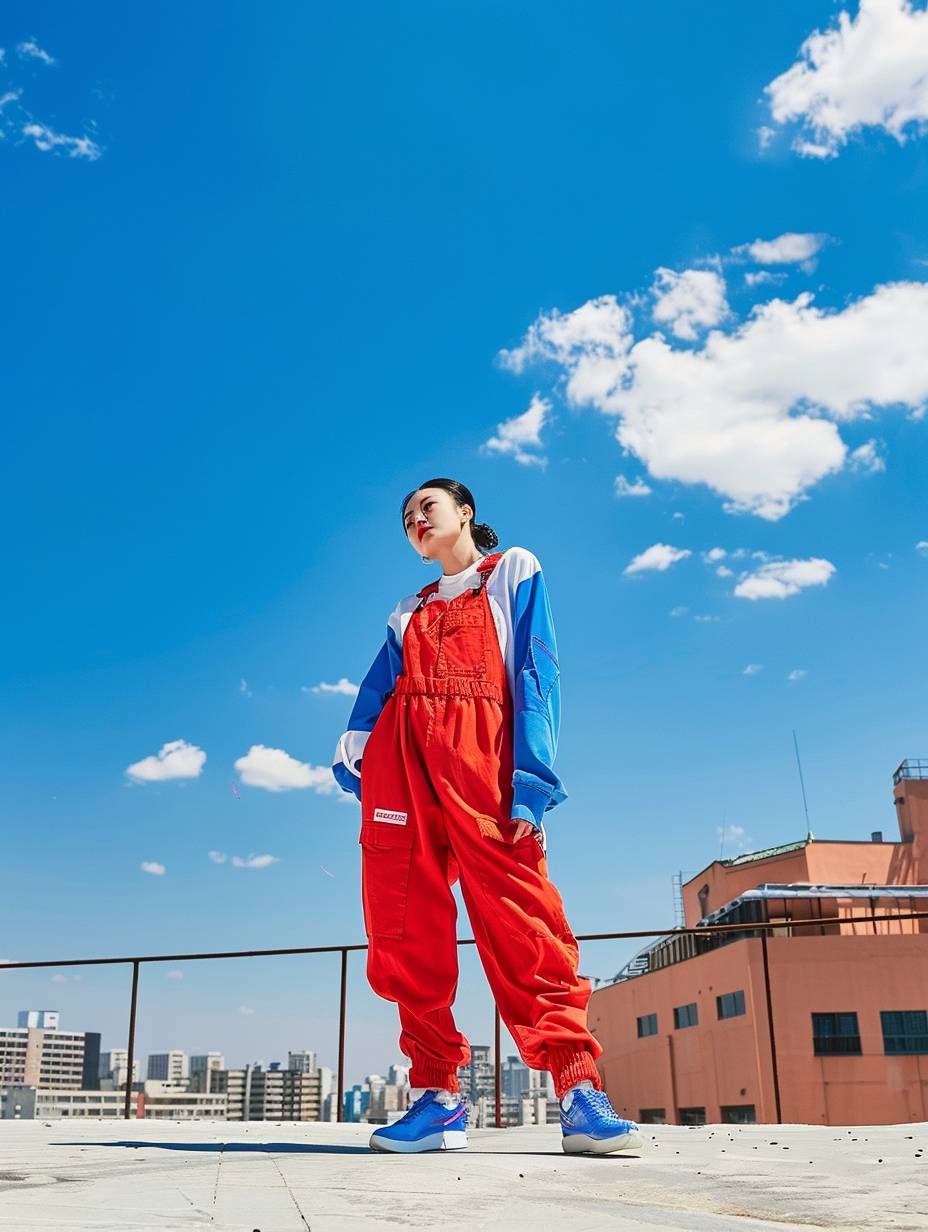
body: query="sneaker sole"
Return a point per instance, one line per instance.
(577, 1144)
(447, 1140)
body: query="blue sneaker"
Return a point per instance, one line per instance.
(590, 1123)
(427, 1125)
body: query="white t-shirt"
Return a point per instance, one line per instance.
(453, 584)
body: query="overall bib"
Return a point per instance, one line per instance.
(436, 794)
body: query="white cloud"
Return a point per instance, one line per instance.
(275, 770)
(750, 412)
(173, 975)
(10, 96)
(689, 301)
(246, 1010)
(660, 556)
(798, 673)
(343, 686)
(591, 344)
(522, 433)
(153, 867)
(759, 278)
(175, 760)
(724, 571)
(866, 71)
(218, 857)
(75, 147)
(922, 547)
(254, 861)
(678, 611)
(637, 488)
(714, 554)
(707, 620)
(59, 979)
(790, 248)
(30, 50)
(752, 669)
(244, 689)
(778, 579)
(867, 458)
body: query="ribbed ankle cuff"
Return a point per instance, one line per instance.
(427, 1072)
(569, 1067)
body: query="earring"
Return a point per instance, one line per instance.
(426, 560)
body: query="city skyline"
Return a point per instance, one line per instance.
(671, 338)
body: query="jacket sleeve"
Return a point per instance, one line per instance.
(377, 683)
(536, 703)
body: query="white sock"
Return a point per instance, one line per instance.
(568, 1097)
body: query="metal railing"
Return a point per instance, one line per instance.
(137, 961)
(911, 768)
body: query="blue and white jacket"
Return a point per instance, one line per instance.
(522, 614)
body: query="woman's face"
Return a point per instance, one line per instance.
(432, 520)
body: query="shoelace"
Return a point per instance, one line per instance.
(420, 1105)
(600, 1103)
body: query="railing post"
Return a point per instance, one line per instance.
(773, 1041)
(341, 1037)
(496, 1067)
(130, 1059)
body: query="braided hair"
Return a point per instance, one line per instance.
(484, 536)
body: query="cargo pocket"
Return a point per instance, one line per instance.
(386, 856)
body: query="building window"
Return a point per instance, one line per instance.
(730, 1004)
(835, 1034)
(647, 1025)
(691, 1116)
(738, 1114)
(652, 1116)
(685, 1016)
(904, 1031)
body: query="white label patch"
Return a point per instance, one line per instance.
(390, 815)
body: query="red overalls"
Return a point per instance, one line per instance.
(436, 794)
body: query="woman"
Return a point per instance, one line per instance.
(456, 727)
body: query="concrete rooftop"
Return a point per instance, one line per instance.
(64, 1175)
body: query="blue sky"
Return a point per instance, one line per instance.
(265, 272)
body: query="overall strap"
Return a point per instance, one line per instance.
(484, 569)
(423, 595)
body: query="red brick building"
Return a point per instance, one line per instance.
(822, 1024)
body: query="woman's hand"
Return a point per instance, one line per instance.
(520, 829)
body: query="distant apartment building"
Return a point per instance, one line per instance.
(155, 1102)
(817, 1023)
(524, 1098)
(477, 1078)
(377, 1100)
(168, 1066)
(258, 1094)
(207, 1064)
(114, 1068)
(303, 1061)
(37, 1053)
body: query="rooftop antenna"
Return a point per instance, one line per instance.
(802, 785)
(722, 836)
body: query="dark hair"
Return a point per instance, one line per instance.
(485, 537)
